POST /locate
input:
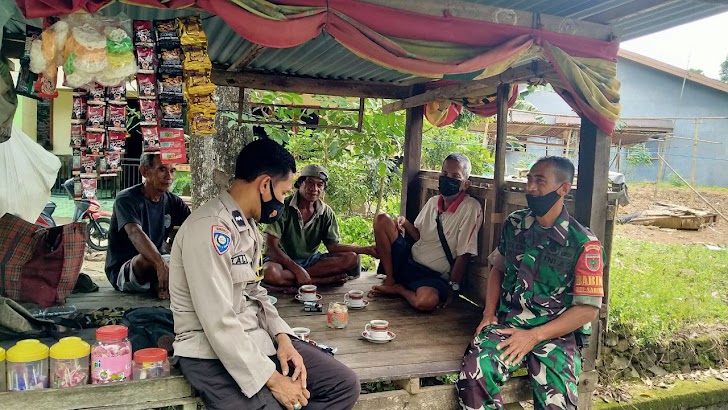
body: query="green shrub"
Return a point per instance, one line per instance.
(358, 231)
(181, 184)
(675, 180)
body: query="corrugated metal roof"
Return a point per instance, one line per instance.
(323, 57)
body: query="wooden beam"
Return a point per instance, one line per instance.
(306, 85)
(500, 145)
(247, 57)
(591, 204)
(512, 75)
(409, 205)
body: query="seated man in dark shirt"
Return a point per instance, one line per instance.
(143, 218)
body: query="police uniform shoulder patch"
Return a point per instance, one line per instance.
(238, 218)
(221, 239)
(589, 270)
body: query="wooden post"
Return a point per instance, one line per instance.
(500, 145)
(412, 160)
(695, 157)
(591, 211)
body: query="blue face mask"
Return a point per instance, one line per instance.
(270, 211)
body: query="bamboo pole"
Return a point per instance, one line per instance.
(691, 188)
(695, 157)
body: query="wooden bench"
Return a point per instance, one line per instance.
(426, 345)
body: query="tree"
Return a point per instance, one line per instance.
(724, 70)
(696, 71)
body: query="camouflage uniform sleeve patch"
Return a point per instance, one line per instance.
(588, 271)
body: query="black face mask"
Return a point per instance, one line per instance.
(449, 186)
(541, 205)
(270, 211)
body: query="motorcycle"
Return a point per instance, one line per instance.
(98, 221)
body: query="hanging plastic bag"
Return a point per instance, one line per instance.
(27, 173)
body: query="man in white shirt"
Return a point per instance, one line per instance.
(424, 273)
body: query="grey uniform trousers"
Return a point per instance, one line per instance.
(332, 385)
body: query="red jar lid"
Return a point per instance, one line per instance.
(152, 354)
(111, 332)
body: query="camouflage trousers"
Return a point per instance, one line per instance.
(553, 367)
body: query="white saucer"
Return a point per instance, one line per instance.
(318, 298)
(273, 299)
(366, 303)
(366, 336)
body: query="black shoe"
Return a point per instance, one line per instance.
(84, 284)
(355, 272)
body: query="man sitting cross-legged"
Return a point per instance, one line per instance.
(292, 242)
(422, 273)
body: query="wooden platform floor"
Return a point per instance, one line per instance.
(425, 345)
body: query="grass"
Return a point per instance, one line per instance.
(658, 289)
(669, 185)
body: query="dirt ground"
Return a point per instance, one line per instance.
(643, 196)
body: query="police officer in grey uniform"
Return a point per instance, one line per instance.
(231, 344)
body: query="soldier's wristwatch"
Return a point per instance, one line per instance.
(454, 286)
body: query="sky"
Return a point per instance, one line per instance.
(702, 44)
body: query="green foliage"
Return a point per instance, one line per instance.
(675, 180)
(696, 71)
(437, 143)
(358, 231)
(638, 154)
(658, 289)
(525, 160)
(181, 184)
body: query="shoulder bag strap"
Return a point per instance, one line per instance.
(443, 241)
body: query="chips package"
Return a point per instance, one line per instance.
(77, 187)
(95, 116)
(112, 161)
(78, 112)
(199, 84)
(170, 61)
(88, 164)
(191, 32)
(76, 161)
(88, 186)
(166, 33)
(170, 88)
(117, 140)
(116, 94)
(116, 116)
(148, 112)
(172, 116)
(201, 123)
(196, 59)
(78, 136)
(146, 60)
(143, 33)
(146, 86)
(96, 94)
(94, 143)
(151, 139)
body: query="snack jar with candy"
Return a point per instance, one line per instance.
(27, 365)
(111, 355)
(337, 317)
(69, 362)
(150, 363)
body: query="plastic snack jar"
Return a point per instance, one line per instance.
(337, 317)
(150, 364)
(27, 366)
(69, 362)
(111, 355)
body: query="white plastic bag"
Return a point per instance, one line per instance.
(27, 173)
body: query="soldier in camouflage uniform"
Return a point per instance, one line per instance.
(546, 284)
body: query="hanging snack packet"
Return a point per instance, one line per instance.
(170, 88)
(146, 60)
(196, 59)
(117, 140)
(88, 164)
(116, 117)
(77, 187)
(148, 112)
(143, 33)
(199, 84)
(201, 123)
(76, 162)
(166, 33)
(96, 114)
(113, 160)
(88, 186)
(78, 135)
(96, 94)
(172, 115)
(191, 32)
(116, 94)
(78, 112)
(151, 139)
(146, 86)
(27, 78)
(94, 143)
(170, 61)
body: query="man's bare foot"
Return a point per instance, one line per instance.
(390, 290)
